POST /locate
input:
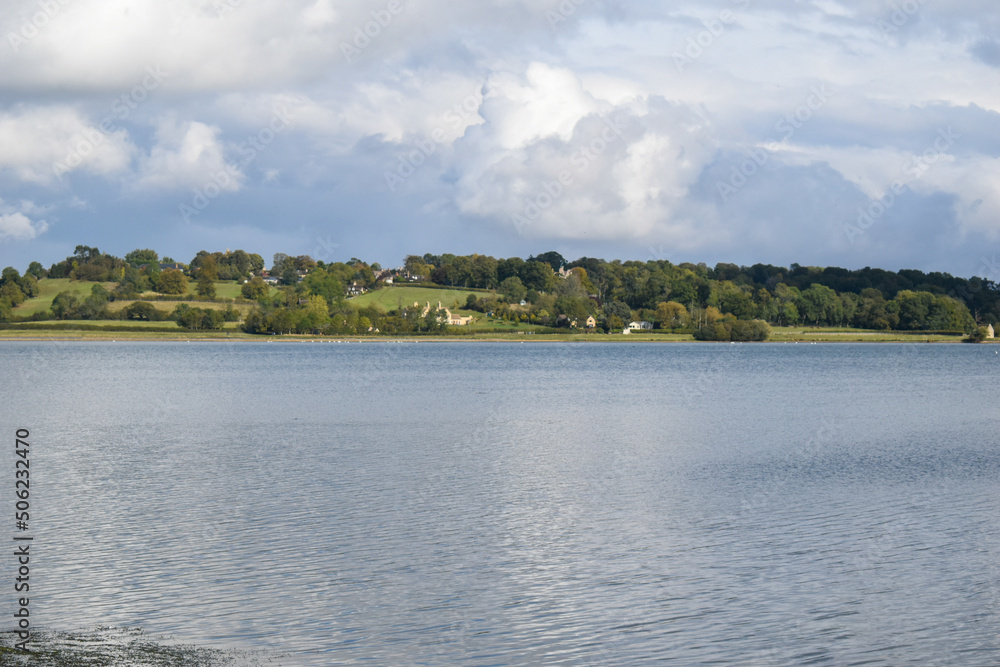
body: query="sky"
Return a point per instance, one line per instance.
(807, 131)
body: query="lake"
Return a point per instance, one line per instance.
(504, 503)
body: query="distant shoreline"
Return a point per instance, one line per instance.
(215, 337)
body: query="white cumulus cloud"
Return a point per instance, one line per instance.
(40, 144)
(15, 223)
(187, 155)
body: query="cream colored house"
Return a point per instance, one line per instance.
(453, 320)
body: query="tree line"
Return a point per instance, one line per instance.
(544, 290)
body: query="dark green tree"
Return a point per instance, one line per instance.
(172, 281)
(206, 287)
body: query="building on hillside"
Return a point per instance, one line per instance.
(585, 323)
(989, 331)
(164, 267)
(640, 326)
(448, 317)
(355, 290)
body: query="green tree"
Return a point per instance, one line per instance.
(315, 315)
(197, 318)
(95, 306)
(978, 335)
(207, 267)
(817, 304)
(484, 272)
(538, 276)
(788, 314)
(254, 289)
(206, 288)
(142, 310)
(552, 258)
(913, 309)
(289, 275)
(672, 315)
(513, 289)
(512, 266)
(324, 284)
(64, 306)
(29, 285)
(37, 270)
(732, 329)
(279, 263)
(731, 298)
(9, 275)
(459, 272)
(132, 284)
(172, 281)
(948, 314)
(12, 294)
(305, 263)
(144, 256)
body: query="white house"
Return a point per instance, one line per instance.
(640, 326)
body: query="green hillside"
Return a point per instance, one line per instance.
(50, 287)
(391, 298)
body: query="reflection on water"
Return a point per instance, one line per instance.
(508, 503)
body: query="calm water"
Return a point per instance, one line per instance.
(486, 504)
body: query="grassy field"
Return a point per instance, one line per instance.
(844, 335)
(49, 288)
(391, 298)
(228, 289)
(98, 324)
(168, 306)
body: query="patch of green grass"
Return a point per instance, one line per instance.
(228, 289)
(391, 298)
(845, 334)
(168, 306)
(48, 288)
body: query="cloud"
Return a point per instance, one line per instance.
(212, 45)
(16, 225)
(19, 227)
(496, 100)
(40, 144)
(987, 51)
(583, 168)
(187, 155)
